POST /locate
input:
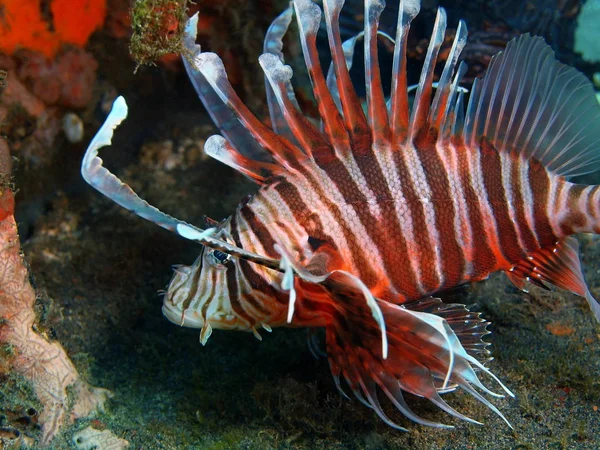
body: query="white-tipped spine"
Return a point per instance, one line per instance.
(309, 17)
(437, 37)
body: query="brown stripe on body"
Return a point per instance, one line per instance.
(211, 294)
(259, 229)
(375, 227)
(303, 215)
(194, 287)
(231, 277)
(491, 168)
(274, 212)
(429, 279)
(253, 278)
(593, 209)
(576, 218)
(540, 186)
(527, 236)
(259, 283)
(395, 250)
(451, 254)
(291, 195)
(484, 260)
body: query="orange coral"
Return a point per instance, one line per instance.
(23, 24)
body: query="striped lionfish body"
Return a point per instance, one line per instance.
(360, 223)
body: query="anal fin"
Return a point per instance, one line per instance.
(558, 265)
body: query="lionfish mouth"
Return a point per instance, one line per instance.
(186, 318)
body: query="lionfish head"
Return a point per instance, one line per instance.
(201, 295)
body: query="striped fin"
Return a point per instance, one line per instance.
(399, 109)
(308, 16)
(221, 115)
(343, 91)
(530, 104)
(423, 350)
(558, 265)
(468, 326)
(306, 134)
(335, 281)
(417, 347)
(376, 107)
(274, 45)
(218, 148)
(421, 108)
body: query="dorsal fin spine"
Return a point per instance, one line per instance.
(377, 110)
(220, 149)
(421, 106)
(221, 115)
(278, 76)
(274, 44)
(449, 117)
(442, 99)
(211, 66)
(308, 16)
(354, 118)
(468, 131)
(348, 49)
(399, 110)
(458, 119)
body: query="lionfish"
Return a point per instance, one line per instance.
(361, 222)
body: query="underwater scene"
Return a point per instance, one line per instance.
(316, 224)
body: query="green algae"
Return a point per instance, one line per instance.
(158, 27)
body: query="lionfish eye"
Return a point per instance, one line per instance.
(218, 257)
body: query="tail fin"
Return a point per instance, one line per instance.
(433, 348)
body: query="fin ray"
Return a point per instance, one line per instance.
(228, 124)
(531, 104)
(310, 139)
(220, 149)
(421, 107)
(338, 78)
(376, 107)
(558, 265)
(273, 44)
(308, 16)
(399, 109)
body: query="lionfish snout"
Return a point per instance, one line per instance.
(179, 293)
(197, 296)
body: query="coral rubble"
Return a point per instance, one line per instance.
(43, 363)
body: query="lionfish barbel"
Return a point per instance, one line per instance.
(361, 223)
